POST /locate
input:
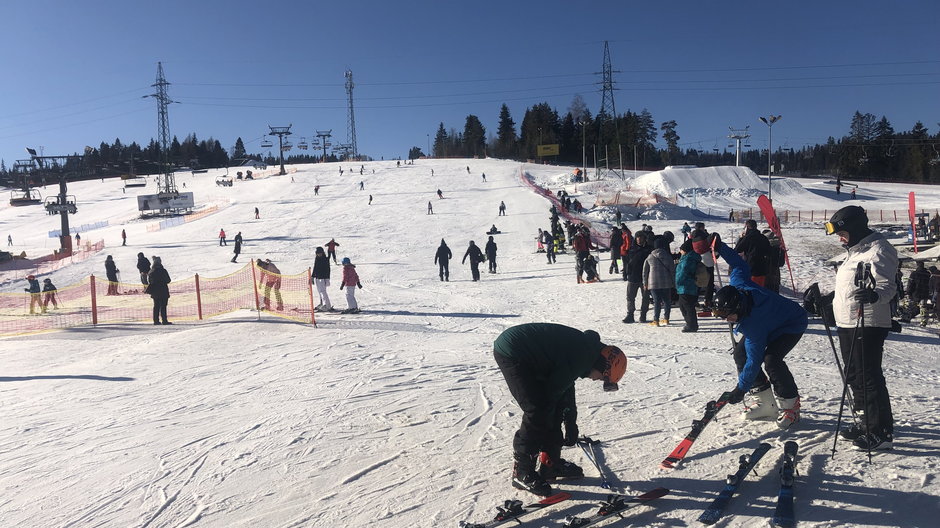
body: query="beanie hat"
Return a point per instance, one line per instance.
(661, 243)
(699, 244)
(686, 246)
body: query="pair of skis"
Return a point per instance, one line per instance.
(613, 506)
(711, 409)
(784, 513)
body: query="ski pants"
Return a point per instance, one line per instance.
(475, 269)
(864, 374)
(322, 285)
(687, 305)
(780, 377)
(662, 302)
(541, 419)
(159, 309)
(491, 259)
(444, 269)
(632, 289)
(351, 297)
(331, 253)
(144, 278)
(277, 296)
(579, 262)
(614, 266)
(710, 288)
(550, 252)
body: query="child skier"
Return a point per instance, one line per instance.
(350, 279)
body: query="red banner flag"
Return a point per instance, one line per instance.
(912, 214)
(767, 209)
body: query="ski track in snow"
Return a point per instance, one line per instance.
(362, 421)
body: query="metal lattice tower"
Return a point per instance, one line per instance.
(167, 182)
(608, 112)
(351, 118)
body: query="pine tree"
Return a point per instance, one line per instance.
(505, 135)
(474, 137)
(238, 151)
(440, 142)
(672, 141)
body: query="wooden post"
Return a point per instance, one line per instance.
(198, 298)
(310, 289)
(94, 302)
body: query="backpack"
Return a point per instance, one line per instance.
(701, 275)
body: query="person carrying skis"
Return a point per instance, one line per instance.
(772, 326)
(331, 249)
(350, 282)
(540, 363)
(442, 259)
(48, 295)
(321, 279)
(476, 257)
(143, 266)
(863, 350)
(490, 249)
(34, 293)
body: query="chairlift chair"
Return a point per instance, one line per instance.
(266, 143)
(303, 143)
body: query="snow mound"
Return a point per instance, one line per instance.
(736, 181)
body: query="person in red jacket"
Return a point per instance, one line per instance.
(582, 246)
(350, 282)
(331, 249)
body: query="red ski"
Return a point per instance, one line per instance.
(681, 450)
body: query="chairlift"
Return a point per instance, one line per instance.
(864, 158)
(286, 147)
(54, 206)
(266, 143)
(303, 143)
(25, 196)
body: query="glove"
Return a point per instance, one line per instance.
(341, 286)
(359, 284)
(571, 434)
(737, 395)
(714, 239)
(865, 296)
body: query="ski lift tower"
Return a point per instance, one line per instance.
(166, 183)
(63, 204)
(607, 117)
(351, 118)
(324, 137)
(737, 135)
(280, 132)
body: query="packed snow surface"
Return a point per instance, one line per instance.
(398, 417)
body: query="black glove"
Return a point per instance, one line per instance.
(865, 296)
(359, 284)
(571, 434)
(737, 395)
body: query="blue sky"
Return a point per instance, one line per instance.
(75, 72)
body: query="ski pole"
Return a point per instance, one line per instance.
(587, 445)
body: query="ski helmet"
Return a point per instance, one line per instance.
(728, 300)
(851, 219)
(614, 365)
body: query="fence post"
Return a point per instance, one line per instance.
(198, 299)
(94, 303)
(254, 284)
(310, 289)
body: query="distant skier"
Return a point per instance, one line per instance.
(316, 190)
(430, 208)
(468, 169)
(440, 195)
(143, 266)
(362, 185)
(502, 208)
(490, 249)
(370, 199)
(442, 259)
(350, 282)
(34, 293)
(159, 290)
(484, 177)
(321, 278)
(476, 257)
(123, 237)
(9, 240)
(238, 246)
(222, 241)
(48, 295)
(331, 249)
(111, 272)
(540, 363)
(257, 213)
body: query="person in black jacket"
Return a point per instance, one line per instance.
(442, 259)
(755, 249)
(143, 266)
(111, 272)
(476, 257)
(238, 246)
(321, 279)
(633, 268)
(616, 241)
(159, 290)
(48, 295)
(490, 249)
(35, 298)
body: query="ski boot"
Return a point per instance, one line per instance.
(789, 412)
(526, 478)
(554, 467)
(762, 405)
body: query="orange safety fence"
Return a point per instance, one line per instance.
(95, 301)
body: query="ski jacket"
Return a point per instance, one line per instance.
(553, 356)
(490, 249)
(110, 270)
(580, 242)
(874, 250)
(685, 273)
(756, 250)
(918, 285)
(143, 264)
(238, 244)
(770, 317)
(270, 274)
(48, 287)
(331, 245)
(350, 277)
(636, 258)
(616, 242)
(321, 267)
(474, 253)
(659, 270)
(934, 287)
(159, 279)
(222, 234)
(547, 238)
(33, 286)
(443, 254)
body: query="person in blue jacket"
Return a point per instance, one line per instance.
(772, 326)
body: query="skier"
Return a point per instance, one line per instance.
(321, 278)
(686, 286)
(430, 208)
(548, 241)
(659, 278)
(362, 185)
(48, 295)
(484, 177)
(257, 213)
(863, 350)
(111, 272)
(143, 267)
(316, 190)
(476, 257)
(159, 290)
(271, 278)
(238, 246)
(331, 249)
(633, 270)
(490, 249)
(222, 241)
(686, 230)
(502, 208)
(34, 293)
(440, 195)
(442, 259)
(755, 248)
(708, 259)
(123, 237)
(9, 240)
(78, 240)
(370, 199)
(540, 363)
(581, 242)
(772, 325)
(468, 169)
(616, 242)
(590, 269)
(350, 282)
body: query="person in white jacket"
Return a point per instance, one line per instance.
(865, 285)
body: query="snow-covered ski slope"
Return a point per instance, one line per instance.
(398, 417)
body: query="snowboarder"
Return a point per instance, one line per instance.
(442, 259)
(331, 249)
(863, 350)
(159, 290)
(350, 282)
(633, 270)
(238, 246)
(48, 295)
(772, 325)
(143, 266)
(111, 272)
(271, 278)
(476, 257)
(490, 249)
(123, 237)
(502, 208)
(34, 293)
(659, 278)
(430, 208)
(321, 279)
(755, 248)
(222, 241)
(493, 230)
(540, 363)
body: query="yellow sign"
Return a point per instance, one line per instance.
(547, 150)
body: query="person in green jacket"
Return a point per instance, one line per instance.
(541, 362)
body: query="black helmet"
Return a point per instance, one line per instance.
(851, 219)
(728, 300)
